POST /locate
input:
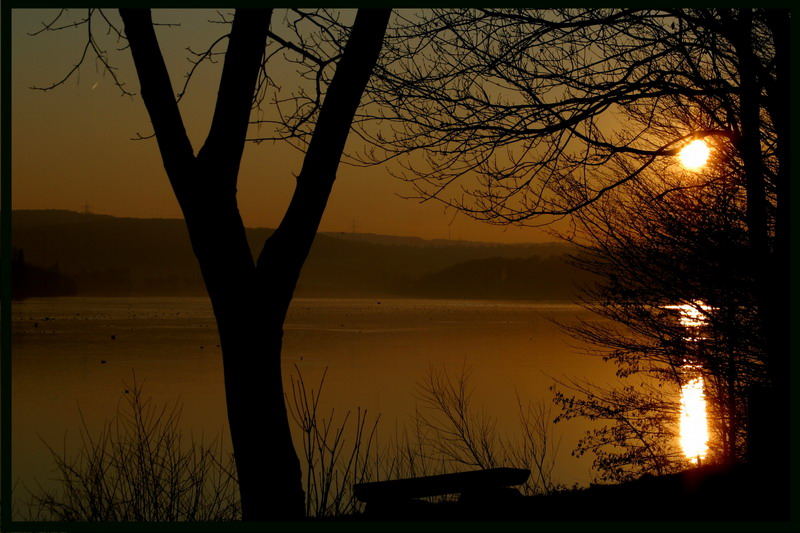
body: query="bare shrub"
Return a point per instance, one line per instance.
(139, 468)
(337, 451)
(451, 433)
(447, 434)
(537, 447)
(455, 430)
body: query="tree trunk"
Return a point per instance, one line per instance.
(267, 464)
(770, 290)
(779, 107)
(249, 302)
(251, 335)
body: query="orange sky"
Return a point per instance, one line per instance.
(71, 146)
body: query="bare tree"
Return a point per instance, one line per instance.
(664, 243)
(522, 116)
(250, 297)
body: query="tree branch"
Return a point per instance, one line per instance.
(159, 98)
(236, 88)
(293, 238)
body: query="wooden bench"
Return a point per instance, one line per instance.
(474, 487)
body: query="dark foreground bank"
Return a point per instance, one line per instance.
(719, 493)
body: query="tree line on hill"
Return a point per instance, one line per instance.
(102, 255)
(31, 281)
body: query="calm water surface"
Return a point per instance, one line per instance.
(78, 355)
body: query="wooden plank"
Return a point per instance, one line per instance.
(419, 487)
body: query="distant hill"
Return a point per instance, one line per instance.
(115, 256)
(547, 248)
(541, 278)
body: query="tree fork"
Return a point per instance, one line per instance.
(250, 303)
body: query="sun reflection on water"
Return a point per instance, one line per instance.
(694, 435)
(694, 418)
(692, 315)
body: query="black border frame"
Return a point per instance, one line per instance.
(7, 525)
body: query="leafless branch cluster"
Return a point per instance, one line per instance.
(491, 111)
(655, 244)
(95, 22)
(140, 468)
(453, 434)
(456, 431)
(337, 453)
(634, 428)
(311, 41)
(446, 435)
(308, 41)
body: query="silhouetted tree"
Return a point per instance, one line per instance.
(656, 244)
(250, 297)
(520, 116)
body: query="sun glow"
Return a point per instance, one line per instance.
(694, 419)
(694, 155)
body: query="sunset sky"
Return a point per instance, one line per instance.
(71, 146)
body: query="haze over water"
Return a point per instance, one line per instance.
(73, 355)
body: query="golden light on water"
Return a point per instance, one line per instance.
(691, 315)
(694, 419)
(694, 433)
(694, 155)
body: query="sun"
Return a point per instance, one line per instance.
(694, 155)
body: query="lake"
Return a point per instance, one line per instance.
(75, 357)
